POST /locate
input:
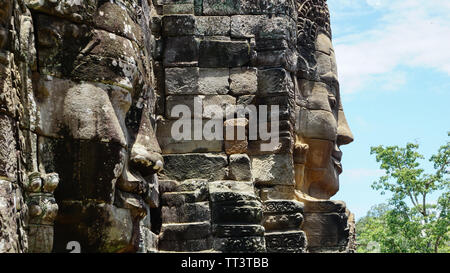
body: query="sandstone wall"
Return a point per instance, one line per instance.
(87, 152)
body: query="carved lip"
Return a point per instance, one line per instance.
(337, 164)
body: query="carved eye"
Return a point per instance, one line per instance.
(332, 100)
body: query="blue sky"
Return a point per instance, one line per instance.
(393, 59)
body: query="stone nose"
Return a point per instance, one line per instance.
(344, 133)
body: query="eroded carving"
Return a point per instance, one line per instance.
(87, 92)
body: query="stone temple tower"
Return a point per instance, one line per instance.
(170, 126)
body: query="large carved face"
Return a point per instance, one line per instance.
(321, 126)
(93, 89)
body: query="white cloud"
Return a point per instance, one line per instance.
(410, 33)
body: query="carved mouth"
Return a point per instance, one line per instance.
(337, 165)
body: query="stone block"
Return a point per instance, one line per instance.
(276, 81)
(182, 80)
(224, 231)
(174, 2)
(178, 25)
(178, 9)
(216, 53)
(275, 169)
(185, 245)
(209, 166)
(285, 58)
(283, 207)
(286, 242)
(249, 244)
(227, 7)
(181, 51)
(169, 145)
(324, 206)
(212, 104)
(250, 213)
(201, 106)
(214, 81)
(213, 26)
(185, 231)
(189, 212)
(282, 221)
(240, 167)
(277, 192)
(181, 198)
(243, 81)
(8, 156)
(245, 26)
(271, 45)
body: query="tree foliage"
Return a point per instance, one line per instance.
(409, 222)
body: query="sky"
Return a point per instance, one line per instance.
(393, 60)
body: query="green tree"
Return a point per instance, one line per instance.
(409, 222)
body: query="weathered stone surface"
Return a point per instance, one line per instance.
(172, 146)
(275, 82)
(283, 206)
(240, 244)
(243, 81)
(278, 192)
(148, 241)
(228, 7)
(282, 221)
(224, 102)
(181, 51)
(189, 212)
(178, 9)
(103, 227)
(185, 245)
(181, 198)
(273, 169)
(213, 25)
(182, 232)
(86, 93)
(182, 81)
(245, 26)
(8, 158)
(231, 191)
(215, 53)
(178, 25)
(284, 58)
(9, 219)
(240, 167)
(214, 81)
(76, 11)
(186, 185)
(240, 213)
(110, 17)
(210, 166)
(200, 106)
(286, 242)
(224, 231)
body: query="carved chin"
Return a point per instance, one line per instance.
(324, 182)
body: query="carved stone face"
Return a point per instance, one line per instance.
(94, 99)
(321, 128)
